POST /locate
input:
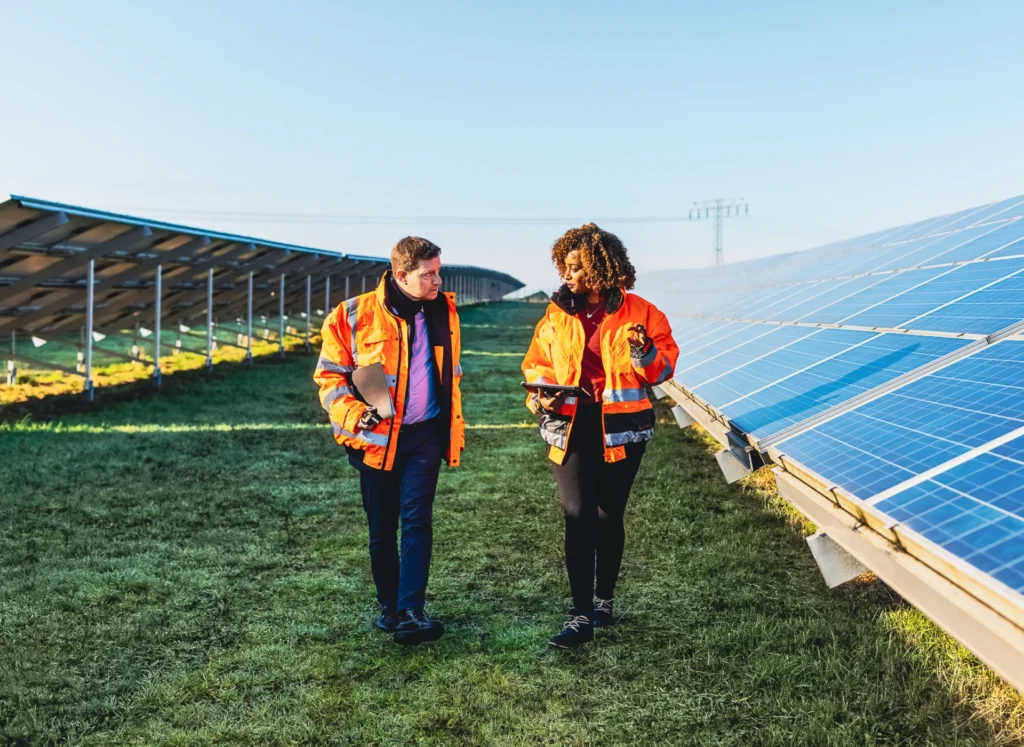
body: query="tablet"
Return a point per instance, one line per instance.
(553, 389)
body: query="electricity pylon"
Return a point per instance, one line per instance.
(718, 209)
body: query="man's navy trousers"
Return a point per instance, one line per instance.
(406, 494)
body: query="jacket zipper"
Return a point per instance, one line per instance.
(401, 357)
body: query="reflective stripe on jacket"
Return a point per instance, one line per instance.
(556, 354)
(362, 331)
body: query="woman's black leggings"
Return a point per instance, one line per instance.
(593, 494)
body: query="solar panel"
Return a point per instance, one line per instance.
(974, 510)
(858, 368)
(919, 426)
(885, 372)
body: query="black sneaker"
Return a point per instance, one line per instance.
(387, 620)
(576, 631)
(603, 617)
(415, 627)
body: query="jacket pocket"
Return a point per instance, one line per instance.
(554, 428)
(373, 347)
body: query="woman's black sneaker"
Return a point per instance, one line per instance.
(415, 627)
(387, 620)
(578, 630)
(603, 617)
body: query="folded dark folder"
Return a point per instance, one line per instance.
(372, 388)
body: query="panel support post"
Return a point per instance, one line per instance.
(248, 319)
(12, 364)
(309, 297)
(348, 293)
(364, 284)
(209, 320)
(836, 565)
(327, 295)
(280, 345)
(90, 297)
(156, 325)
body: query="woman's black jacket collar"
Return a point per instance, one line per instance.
(574, 303)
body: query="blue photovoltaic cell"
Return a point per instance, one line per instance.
(719, 364)
(988, 309)
(735, 335)
(974, 510)
(884, 258)
(749, 306)
(858, 369)
(687, 332)
(831, 294)
(995, 211)
(918, 426)
(954, 289)
(971, 243)
(844, 310)
(779, 309)
(1004, 240)
(778, 364)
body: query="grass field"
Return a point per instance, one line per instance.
(190, 568)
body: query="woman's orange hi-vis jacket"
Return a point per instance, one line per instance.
(556, 354)
(364, 330)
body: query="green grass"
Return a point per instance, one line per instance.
(210, 584)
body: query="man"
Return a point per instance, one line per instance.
(412, 329)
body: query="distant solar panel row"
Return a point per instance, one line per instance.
(46, 248)
(886, 367)
(74, 276)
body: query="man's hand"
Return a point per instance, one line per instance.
(639, 343)
(548, 403)
(369, 419)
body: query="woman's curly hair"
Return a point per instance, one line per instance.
(605, 262)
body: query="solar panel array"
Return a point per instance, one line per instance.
(45, 248)
(153, 273)
(888, 369)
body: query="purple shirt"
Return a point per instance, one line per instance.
(421, 399)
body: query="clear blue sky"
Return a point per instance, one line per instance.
(830, 121)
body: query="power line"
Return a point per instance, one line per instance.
(340, 219)
(782, 227)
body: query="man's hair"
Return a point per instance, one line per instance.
(410, 251)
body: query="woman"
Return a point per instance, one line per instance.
(612, 344)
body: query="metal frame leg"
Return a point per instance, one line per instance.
(281, 315)
(209, 320)
(248, 316)
(157, 376)
(90, 297)
(12, 364)
(309, 311)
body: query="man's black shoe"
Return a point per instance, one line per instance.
(603, 617)
(577, 631)
(415, 627)
(387, 620)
